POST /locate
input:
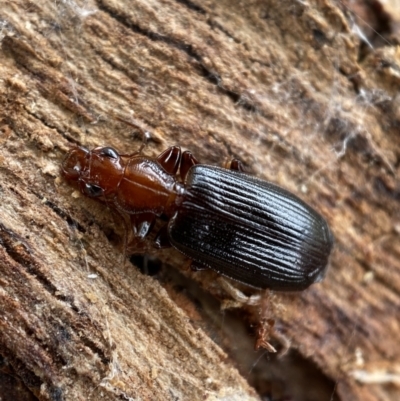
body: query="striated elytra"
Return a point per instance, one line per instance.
(250, 230)
(243, 227)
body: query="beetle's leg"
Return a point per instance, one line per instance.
(142, 224)
(196, 266)
(284, 342)
(236, 165)
(239, 299)
(162, 238)
(170, 159)
(188, 160)
(264, 330)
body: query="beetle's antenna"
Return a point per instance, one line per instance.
(146, 135)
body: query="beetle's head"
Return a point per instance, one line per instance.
(74, 163)
(97, 172)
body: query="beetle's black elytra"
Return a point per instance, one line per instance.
(250, 230)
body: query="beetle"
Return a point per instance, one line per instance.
(243, 227)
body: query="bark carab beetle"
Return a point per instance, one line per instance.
(243, 227)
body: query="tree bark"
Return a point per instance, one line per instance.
(287, 87)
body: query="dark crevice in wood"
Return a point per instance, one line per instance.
(48, 125)
(216, 25)
(28, 376)
(212, 76)
(192, 6)
(295, 368)
(12, 386)
(96, 350)
(71, 222)
(20, 252)
(17, 249)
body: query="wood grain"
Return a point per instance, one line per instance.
(288, 88)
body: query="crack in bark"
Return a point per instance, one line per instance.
(211, 76)
(16, 247)
(192, 6)
(64, 215)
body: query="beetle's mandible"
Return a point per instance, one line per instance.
(242, 227)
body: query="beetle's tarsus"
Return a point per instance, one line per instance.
(239, 299)
(236, 165)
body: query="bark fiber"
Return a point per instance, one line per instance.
(289, 88)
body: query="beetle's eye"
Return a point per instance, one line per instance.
(109, 152)
(93, 190)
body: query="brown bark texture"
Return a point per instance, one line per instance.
(294, 90)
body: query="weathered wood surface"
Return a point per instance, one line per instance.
(278, 84)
